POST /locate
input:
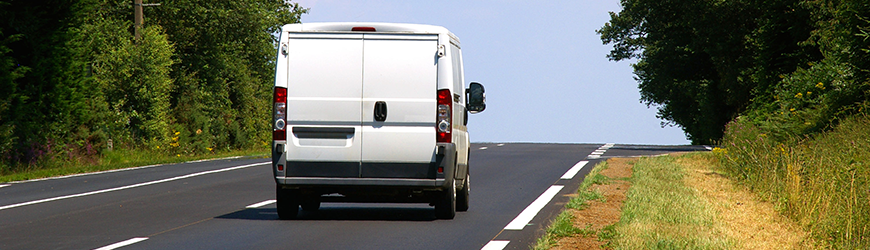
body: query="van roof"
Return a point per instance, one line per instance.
(379, 27)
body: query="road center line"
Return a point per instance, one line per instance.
(131, 186)
(260, 204)
(122, 243)
(529, 213)
(496, 245)
(573, 171)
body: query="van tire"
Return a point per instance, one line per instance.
(287, 202)
(462, 195)
(446, 207)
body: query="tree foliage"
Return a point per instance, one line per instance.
(703, 63)
(73, 79)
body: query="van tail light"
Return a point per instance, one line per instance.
(279, 122)
(443, 120)
(368, 29)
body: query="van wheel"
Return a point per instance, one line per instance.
(287, 202)
(462, 195)
(446, 207)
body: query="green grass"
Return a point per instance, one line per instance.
(111, 160)
(562, 226)
(661, 212)
(819, 181)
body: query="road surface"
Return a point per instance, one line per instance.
(516, 189)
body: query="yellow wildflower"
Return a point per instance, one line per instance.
(799, 95)
(177, 133)
(820, 85)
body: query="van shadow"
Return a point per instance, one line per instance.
(340, 213)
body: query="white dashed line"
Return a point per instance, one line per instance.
(573, 171)
(496, 245)
(529, 213)
(131, 186)
(483, 148)
(708, 148)
(500, 144)
(260, 204)
(123, 243)
(600, 151)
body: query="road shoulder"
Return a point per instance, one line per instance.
(734, 217)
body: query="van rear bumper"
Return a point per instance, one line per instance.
(383, 182)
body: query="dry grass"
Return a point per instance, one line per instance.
(754, 224)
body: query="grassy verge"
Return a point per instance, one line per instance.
(672, 202)
(662, 212)
(821, 181)
(110, 160)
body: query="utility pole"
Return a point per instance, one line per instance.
(138, 17)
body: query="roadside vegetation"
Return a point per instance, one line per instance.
(77, 90)
(821, 181)
(673, 202)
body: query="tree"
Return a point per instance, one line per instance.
(225, 67)
(702, 63)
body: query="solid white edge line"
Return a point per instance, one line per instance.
(121, 170)
(260, 204)
(131, 186)
(529, 213)
(495, 245)
(123, 243)
(708, 148)
(4, 185)
(573, 171)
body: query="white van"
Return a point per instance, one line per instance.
(371, 112)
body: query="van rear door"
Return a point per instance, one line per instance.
(400, 73)
(324, 90)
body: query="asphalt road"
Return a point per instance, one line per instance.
(205, 205)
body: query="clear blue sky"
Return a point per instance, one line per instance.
(544, 68)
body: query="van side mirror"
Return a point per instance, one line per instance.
(475, 98)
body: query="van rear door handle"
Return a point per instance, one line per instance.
(380, 111)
